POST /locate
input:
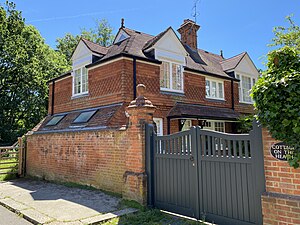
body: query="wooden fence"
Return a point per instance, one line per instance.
(12, 160)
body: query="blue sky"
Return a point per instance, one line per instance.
(232, 25)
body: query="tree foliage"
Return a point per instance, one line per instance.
(277, 92)
(100, 34)
(26, 64)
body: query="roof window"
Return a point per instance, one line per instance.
(55, 120)
(84, 116)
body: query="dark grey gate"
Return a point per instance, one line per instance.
(206, 174)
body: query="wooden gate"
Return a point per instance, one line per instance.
(207, 174)
(12, 160)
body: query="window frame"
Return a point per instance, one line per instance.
(217, 88)
(91, 116)
(57, 122)
(81, 82)
(161, 130)
(171, 89)
(187, 125)
(213, 126)
(253, 80)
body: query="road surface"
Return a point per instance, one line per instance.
(9, 218)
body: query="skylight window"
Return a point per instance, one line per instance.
(55, 120)
(84, 117)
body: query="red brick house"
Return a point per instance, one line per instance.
(188, 85)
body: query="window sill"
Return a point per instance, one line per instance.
(169, 92)
(215, 99)
(80, 96)
(246, 103)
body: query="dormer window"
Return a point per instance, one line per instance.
(80, 81)
(171, 77)
(245, 85)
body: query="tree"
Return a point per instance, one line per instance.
(101, 34)
(277, 92)
(26, 64)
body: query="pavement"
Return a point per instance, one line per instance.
(41, 202)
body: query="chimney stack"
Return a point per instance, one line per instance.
(188, 31)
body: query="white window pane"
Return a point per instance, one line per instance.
(84, 71)
(187, 125)
(219, 126)
(176, 77)
(159, 125)
(207, 88)
(213, 89)
(165, 75)
(220, 90)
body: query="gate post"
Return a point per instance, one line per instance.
(150, 164)
(197, 155)
(21, 157)
(258, 168)
(140, 113)
(281, 201)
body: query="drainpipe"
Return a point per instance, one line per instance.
(52, 98)
(232, 95)
(134, 77)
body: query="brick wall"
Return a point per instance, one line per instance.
(112, 160)
(113, 82)
(105, 87)
(281, 202)
(94, 158)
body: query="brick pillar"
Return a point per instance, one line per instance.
(140, 112)
(281, 201)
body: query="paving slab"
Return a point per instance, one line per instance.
(66, 223)
(12, 204)
(36, 217)
(53, 204)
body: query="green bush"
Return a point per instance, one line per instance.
(277, 92)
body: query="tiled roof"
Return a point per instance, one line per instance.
(202, 111)
(231, 63)
(204, 61)
(132, 45)
(200, 60)
(95, 47)
(101, 118)
(152, 41)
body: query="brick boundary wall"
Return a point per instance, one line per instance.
(111, 160)
(281, 201)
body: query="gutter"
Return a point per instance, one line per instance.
(211, 74)
(60, 77)
(123, 55)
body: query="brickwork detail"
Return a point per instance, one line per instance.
(113, 83)
(112, 160)
(281, 202)
(92, 158)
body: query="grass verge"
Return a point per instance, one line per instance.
(149, 216)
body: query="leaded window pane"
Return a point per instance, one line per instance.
(220, 90)
(207, 88)
(165, 75)
(213, 89)
(176, 77)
